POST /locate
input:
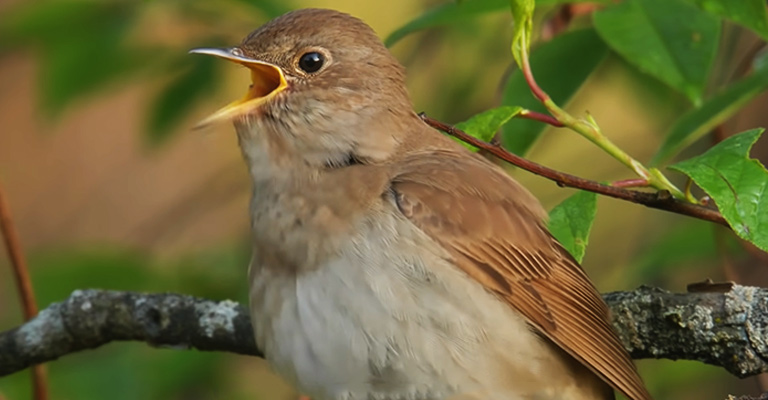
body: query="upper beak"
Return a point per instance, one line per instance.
(267, 80)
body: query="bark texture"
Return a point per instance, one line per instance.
(725, 325)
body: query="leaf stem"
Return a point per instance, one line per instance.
(536, 116)
(24, 285)
(589, 129)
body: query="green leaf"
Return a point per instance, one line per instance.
(456, 12)
(571, 221)
(581, 51)
(446, 14)
(738, 184)
(750, 13)
(484, 126)
(180, 95)
(671, 40)
(522, 13)
(45, 21)
(699, 121)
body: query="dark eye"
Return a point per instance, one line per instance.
(311, 62)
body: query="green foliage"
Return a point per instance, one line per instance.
(134, 370)
(750, 13)
(81, 45)
(699, 121)
(571, 220)
(522, 13)
(87, 46)
(445, 14)
(56, 20)
(177, 98)
(669, 39)
(62, 272)
(738, 184)
(690, 248)
(485, 125)
(581, 51)
(457, 12)
(129, 371)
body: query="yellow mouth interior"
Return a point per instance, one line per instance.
(267, 80)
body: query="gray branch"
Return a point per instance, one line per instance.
(726, 329)
(91, 318)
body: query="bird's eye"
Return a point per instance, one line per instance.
(311, 62)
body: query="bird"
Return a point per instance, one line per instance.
(389, 262)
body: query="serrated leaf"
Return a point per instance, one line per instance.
(484, 126)
(750, 13)
(571, 221)
(180, 95)
(699, 121)
(522, 13)
(672, 40)
(738, 184)
(581, 51)
(446, 14)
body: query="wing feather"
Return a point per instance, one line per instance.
(495, 231)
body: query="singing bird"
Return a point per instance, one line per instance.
(389, 262)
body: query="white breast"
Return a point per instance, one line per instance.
(390, 318)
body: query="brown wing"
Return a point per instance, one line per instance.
(494, 229)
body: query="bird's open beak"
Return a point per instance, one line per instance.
(267, 80)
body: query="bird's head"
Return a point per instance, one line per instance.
(324, 89)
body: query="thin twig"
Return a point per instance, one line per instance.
(18, 262)
(24, 285)
(745, 65)
(629, 183)
(536, 116)
(661, 200)
(528, 74)
(589, 129)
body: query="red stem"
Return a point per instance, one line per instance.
(628, 183)
(528, 74)
(24, 285)
(536, 116)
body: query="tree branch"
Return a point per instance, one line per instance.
(726, 329)
(661, 200)
(91, 318)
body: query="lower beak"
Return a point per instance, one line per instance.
(267, 80)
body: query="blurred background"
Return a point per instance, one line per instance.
(110, 188)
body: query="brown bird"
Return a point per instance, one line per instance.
(389, 262)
